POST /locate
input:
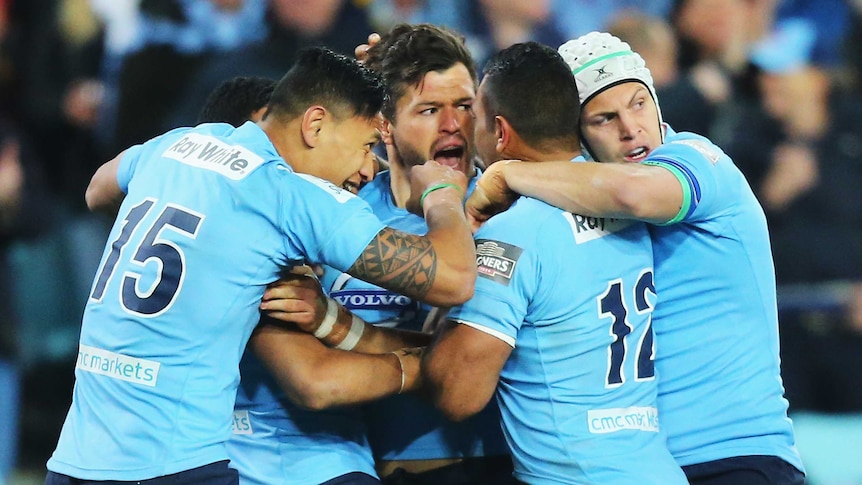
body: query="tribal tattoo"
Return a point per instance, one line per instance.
(398, 261)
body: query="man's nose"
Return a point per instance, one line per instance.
(449, 120)
(629, 126)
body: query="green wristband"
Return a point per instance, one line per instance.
(436, 187)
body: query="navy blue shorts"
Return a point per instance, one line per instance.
(744, 470)
(217, 473)
(488, 470)
(353, 478)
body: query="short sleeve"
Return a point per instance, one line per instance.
(507, 279)
(698, 165)
(326, 223)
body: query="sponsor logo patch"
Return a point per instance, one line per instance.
(496, 260)
(637, 418)
(118, 366)
(587, 228)
(241, 424)
(371, 299)
(706, 149)
(210, 153)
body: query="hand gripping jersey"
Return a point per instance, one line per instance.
(720, 390)
(573, 296)
(408, 427)
(211, 215)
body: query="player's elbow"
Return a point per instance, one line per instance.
(101, 199)
(458, 409)
(457, 288)
(313, 403)
(449, 390)
(463, 287)
(91, 197)
(314, 394)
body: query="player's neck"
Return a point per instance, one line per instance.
(528, 153)
(291, 147)
(399, 184)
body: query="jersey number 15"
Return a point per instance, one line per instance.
(153, 248)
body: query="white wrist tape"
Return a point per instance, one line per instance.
(357, 326)
(328, 322)
(403, 376)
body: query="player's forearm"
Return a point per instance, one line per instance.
(453, 248)
(316, 377)
(347, 378)
(625, 191)
(350, 332)
(563, 184)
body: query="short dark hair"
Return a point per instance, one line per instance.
(408, 52)
(234, 100)
(337, 82)
(531, 86)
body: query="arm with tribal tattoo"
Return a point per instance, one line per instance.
(438, 268)
(398, 261)
(433, 268)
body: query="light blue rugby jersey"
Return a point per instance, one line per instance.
(573, 296)
(720, 388)
(407, 427)
(211, 215)
(275, 442)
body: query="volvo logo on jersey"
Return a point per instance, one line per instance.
(372, 299)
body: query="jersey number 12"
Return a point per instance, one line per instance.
(612, 304)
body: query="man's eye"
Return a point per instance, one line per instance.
(600, 120)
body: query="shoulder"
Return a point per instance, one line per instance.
(379, 185)
(527, 221)
(153, 146)
(317, 189)
(687, 147)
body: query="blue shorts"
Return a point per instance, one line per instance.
(496, 470)
(744, 470)
(217, 473)
(353, 478)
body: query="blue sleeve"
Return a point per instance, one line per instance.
(508, 276)
(135, 154)
(699, 166)
(127, 167)
(326, 223)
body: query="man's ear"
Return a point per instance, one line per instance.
(386, 131)
(503, 132)
(313, 121)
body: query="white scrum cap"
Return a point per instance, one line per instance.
(599, 61)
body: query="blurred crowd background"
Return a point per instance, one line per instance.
(776, 83)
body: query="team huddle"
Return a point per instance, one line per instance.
(547, 285)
